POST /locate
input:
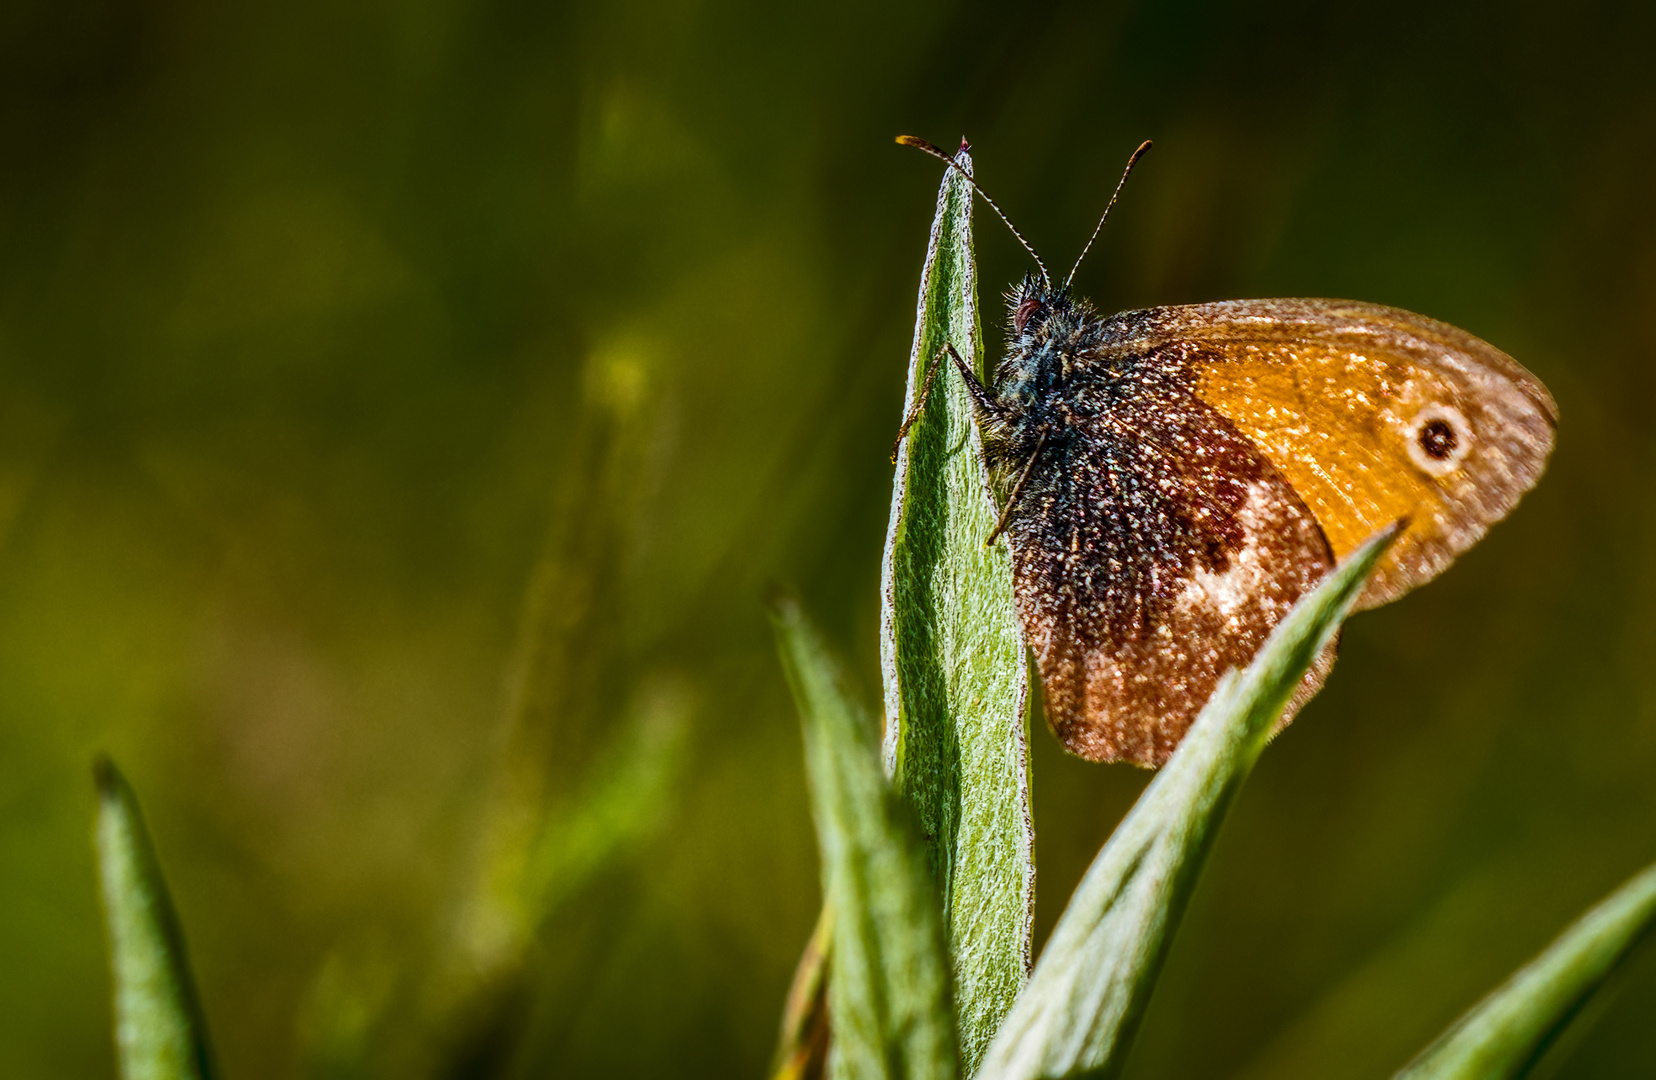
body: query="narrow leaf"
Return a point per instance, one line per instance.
(888, 982)
(1506, 1034)
(802, 1045)
(623, 799)
(160, 1033)
(952, 653)
(1082, 1006)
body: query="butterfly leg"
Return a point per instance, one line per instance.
(988, 409)
(1017, 491)
(919, 400)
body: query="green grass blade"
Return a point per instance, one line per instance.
(952, 653)
(623, 800)
(1507, 1033)
(1083, 1003)
(802, 1044)
(160, 1033)
(888, 981)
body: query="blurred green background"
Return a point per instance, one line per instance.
(404, 406)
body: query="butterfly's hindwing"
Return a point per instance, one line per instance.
(1192, 471)
(1154, 548)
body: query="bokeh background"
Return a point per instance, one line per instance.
(403, 408)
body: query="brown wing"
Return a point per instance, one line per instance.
(1371, 414)
(1154, 549)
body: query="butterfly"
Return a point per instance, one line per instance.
(1177, 477)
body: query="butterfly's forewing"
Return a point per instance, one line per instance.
(1218, 458)
(1371, 414)
(1155, 548)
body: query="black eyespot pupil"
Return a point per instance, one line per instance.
(1438, 439)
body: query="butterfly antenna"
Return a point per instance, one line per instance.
(1144, 148)
(922, 144)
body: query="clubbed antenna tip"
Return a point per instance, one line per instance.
(1144, 148)
(926, 147)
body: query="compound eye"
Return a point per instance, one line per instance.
(1025, 311)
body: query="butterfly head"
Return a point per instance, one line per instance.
(1031, 305)
(1045, 330)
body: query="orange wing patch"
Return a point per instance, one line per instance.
(1371, 414)
(1327, 419)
